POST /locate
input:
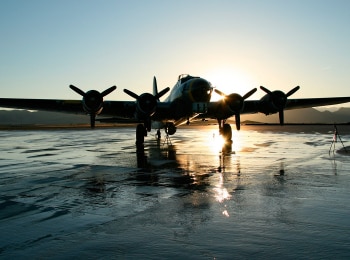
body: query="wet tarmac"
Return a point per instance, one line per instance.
(277, 193)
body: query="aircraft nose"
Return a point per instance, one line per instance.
(201, 90)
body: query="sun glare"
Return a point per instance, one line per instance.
(217, 142)
(230, 80)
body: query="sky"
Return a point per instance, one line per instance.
(237, 45)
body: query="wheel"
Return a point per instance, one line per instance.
(227, 132)
(140, 134)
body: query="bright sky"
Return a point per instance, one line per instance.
(237, 45)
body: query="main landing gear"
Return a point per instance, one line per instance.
(141, 132)
(142, 129)
(226, 131)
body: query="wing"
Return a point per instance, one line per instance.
(225, 109)
(113, 111)
(262, 106)
(110, 108)
(315, 102)
(273, 102)
(68, 106)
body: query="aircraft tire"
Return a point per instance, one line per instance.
(140, 134)
(227, 132)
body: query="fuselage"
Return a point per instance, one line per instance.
(187, 91)
(191, 89)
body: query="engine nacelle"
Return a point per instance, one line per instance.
(146, 106)
(276, 102)
(235, 102)
(93, 102)
(273, 102)
(227, 107)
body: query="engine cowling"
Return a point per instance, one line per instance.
(234, 102)
(146, 105)
(276, 101)
(93, 102)
(232, 105)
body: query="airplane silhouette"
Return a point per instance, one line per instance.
(189, 99)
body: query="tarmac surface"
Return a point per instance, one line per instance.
(279, 192)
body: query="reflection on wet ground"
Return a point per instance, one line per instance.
(82, 193)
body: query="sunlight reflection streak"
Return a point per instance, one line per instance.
(221, 193)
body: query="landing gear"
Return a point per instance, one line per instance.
(226, 131)
(143, 128)
(140, 134)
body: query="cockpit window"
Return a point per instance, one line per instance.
(185, 77)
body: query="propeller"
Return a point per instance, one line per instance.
(235, 103)
(93, 101)
(157, 96)
(279, 100)
(147, 102)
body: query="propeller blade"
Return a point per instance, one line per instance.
(160, 94)
(77, 90)
(238, 121)
(281, 116)
(107, 91)
(265, 89)
(219, 92)
(291, 92)
(250, 93)
(155, 87)
(131, 94)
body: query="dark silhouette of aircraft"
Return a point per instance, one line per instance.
(188, 100)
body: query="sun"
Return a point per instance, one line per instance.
(230, 80)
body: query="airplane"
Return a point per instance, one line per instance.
(188, 100)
